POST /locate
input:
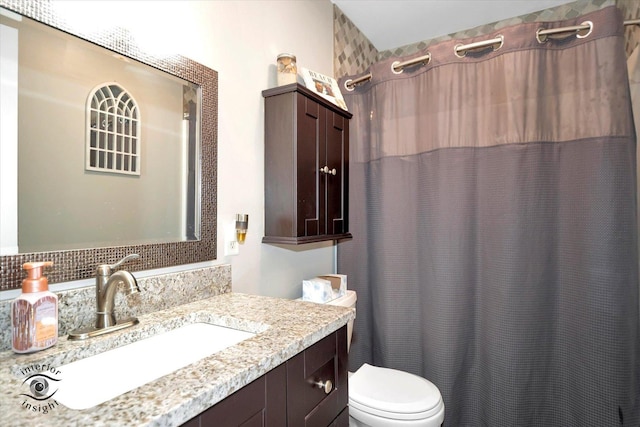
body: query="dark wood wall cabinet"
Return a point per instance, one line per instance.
(309, 390)
(306, 167)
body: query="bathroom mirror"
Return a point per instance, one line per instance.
(171, 199)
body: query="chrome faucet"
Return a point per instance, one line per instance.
(106, 287)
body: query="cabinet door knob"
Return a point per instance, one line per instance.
(327, 386)
(328, 171)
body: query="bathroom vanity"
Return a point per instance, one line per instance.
(310, 389)
(280, 376)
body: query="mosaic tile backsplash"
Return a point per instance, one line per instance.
(77, 307)
(354, 53)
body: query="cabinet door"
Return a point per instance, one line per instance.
(322, 158)
(259, 404)
(336, 184)
(311, 135)
(341, 420)
(308, 404)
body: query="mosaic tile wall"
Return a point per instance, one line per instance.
(354, 53)
(630, 10)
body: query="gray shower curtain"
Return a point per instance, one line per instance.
(493, 208)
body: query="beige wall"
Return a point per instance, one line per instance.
(240, 40)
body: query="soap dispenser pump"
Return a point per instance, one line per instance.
(34, 314)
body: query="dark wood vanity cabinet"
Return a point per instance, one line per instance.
(261, 403)
(306, 167)
(295, 394)
(311, 400)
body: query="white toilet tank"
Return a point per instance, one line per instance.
(348, 300)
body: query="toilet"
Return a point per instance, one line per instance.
(383, 397)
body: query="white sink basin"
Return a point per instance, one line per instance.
(96, 379)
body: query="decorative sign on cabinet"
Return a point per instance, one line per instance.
(306, 167)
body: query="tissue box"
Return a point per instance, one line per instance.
(338, 281)
(324, 288)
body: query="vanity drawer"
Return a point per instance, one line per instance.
(310, 401)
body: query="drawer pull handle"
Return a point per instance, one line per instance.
(327, 386)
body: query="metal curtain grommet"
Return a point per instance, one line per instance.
(455, 50)
(460, 50)
(540, 37)
(348, 86)
(590, 24)
(393, 68)
(543, 35)
(501, 37)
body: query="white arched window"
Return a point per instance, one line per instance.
(113, 131)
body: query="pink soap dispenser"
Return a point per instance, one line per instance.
(34, 314)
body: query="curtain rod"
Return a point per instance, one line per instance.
(460, 50)
(396, 67)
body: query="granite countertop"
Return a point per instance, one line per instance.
(283, 328)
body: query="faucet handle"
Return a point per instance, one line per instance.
(105, 269)
(123, 260)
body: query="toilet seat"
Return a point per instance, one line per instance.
(393, 394)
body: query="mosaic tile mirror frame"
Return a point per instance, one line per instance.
(81, 264)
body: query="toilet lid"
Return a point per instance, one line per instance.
(393, 394)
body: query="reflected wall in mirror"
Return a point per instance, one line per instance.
(136, 188)
(80, 218)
